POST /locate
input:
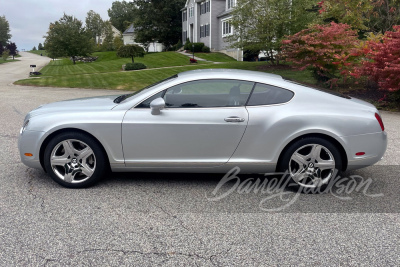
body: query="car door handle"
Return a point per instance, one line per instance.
(234, 119)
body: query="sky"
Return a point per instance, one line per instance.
(29, 19)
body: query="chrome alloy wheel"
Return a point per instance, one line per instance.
(312, 166)
(73, 161)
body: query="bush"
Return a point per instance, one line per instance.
(327, 50)
(188, 44)
(206, 49)
(198, 47)
(135, 66)
(381, 61)
(178, 45)
(5, 55)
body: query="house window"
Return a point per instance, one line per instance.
(191, 12)
(204, 30)
(208, 30)
(184, 36)
(226, 28)
(204, 7)
(184, 16)
(231, 4)
(208, 6)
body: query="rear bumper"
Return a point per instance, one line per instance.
(373, 145)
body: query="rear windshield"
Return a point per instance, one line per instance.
(320, 89)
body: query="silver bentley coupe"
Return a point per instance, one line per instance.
(206, 121)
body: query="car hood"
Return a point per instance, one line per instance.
(81, 104)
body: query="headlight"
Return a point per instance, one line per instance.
(24, 126)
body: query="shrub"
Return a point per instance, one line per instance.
(381, 61)
(188, 44)
(206, 49)
(325, 49)
(198, 47)
(135, 66)
(5, 55)
(178, 45)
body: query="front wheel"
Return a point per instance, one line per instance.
(311, 163)
(74, 160)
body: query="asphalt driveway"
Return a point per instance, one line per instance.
(174, 219)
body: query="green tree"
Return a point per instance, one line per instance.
(67, 37)
(108, 42)
(385, 15)
(4, 30)
(158, 20)
(260, 25)
(122, 14)
(118, 42)
(5, 54)
(34, 48)
(12, 48)
(131, 51)
(94, 24)
(40, 46)
(352, 12)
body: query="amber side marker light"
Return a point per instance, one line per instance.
(28, 154)
(360, 154)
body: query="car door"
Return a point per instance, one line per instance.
(201, 126)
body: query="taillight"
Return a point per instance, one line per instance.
(380, 121)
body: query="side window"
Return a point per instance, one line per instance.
(208, 93)
(264, 94)
(146, 103)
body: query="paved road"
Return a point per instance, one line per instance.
(158, 219)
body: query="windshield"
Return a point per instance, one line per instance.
(142, 91)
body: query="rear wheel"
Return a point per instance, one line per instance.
(311, 163)
(74, 160)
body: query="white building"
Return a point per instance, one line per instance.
(129, 38)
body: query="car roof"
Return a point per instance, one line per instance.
(229, 73)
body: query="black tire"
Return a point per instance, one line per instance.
(82, 167)
(305, 182)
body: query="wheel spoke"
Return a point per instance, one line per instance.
(86, 170)
(69, 177)
(68, 147)
(59, 161)
(299, 159)
(325, 164)
(316, 152)
(85, 153)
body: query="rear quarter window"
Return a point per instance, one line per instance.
(265, 94)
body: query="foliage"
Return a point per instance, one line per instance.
(118, 42)
(325, 49)
(179, 45)
(135, 66)
(250, 54)
(131, 51)
(381, 62)
(67, 37)
(262, 24)
(187, 45)
(34, 48)
(108, 42)
(385, 14)
(4, 30)
(122, 14)
(198, 47)
(5, 54)
(94, 24)
(40, 46)
(352, 12)
(12, 48)
(158, 20)
(206, 49)
(1, 49)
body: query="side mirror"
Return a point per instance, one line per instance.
(157, 105)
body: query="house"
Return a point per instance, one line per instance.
(116, 33)
(207, 21)
(129, 38)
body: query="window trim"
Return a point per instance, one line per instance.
(227, 21)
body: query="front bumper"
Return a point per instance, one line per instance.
(29, 142)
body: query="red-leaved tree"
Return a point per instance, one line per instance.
(328, 50)
(381, 62)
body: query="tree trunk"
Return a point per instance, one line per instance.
(73, 59)
(133, 61)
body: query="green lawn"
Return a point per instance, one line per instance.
(2, 61)
(216, 57)
(105, 73)
(109, 62)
